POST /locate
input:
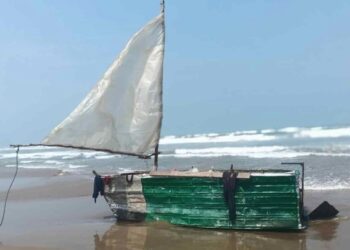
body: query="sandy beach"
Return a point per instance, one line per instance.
(50, 209)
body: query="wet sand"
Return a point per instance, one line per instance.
(49, 209)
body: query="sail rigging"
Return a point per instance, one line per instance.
(123, 112)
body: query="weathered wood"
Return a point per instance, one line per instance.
(125, 198)
(212, 174)
(135, 172)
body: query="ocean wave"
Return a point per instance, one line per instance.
(73, 166)
(326, 185)
(41, 155)
(50, 165)
(102, 157)
(260, 135)
(252, 152)
(7, 149)
(51, 162)
(31, 166)
(268, 131)
(206, 138)
(26, 162)
(320, 132)
(25, 148)
(64, 154)
(289, 130)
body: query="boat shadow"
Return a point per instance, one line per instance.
(158, 235)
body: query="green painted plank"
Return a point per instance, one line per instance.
(262, 202)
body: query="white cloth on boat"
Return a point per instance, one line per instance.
(123, 112)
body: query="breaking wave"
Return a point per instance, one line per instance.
(252, 152)
(263, 135)
(318, 185)
(49, 153)
(319, 132)
(214, 138)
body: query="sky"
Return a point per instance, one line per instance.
(229, 64)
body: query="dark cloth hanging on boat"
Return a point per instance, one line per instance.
(229, 185)
(99, 187)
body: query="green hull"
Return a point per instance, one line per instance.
(270, 202)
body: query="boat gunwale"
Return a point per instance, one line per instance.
(242, 174)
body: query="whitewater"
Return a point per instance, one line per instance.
(325, 151)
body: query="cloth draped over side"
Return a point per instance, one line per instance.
(229, 186)
(99, 187)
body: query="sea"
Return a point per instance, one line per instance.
(324, 150)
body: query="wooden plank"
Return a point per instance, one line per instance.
(209, 174)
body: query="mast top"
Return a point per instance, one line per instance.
(162, 6)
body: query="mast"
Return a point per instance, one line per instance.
(156, 153)
(156, 150)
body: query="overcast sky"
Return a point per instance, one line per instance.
(230, 64)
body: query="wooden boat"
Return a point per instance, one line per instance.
(123, 114)
(265, 200)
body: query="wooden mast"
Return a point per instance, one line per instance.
(156, 150)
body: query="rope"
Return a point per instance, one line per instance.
(9, 189)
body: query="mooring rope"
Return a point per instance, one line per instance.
(9, 189)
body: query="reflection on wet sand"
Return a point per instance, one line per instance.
(122, 236)
(165, 236)
(325, 230)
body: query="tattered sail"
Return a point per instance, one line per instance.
(123, 112)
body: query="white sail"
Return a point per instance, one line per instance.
(123, 112)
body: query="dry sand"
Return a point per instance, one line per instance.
(51, 210)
